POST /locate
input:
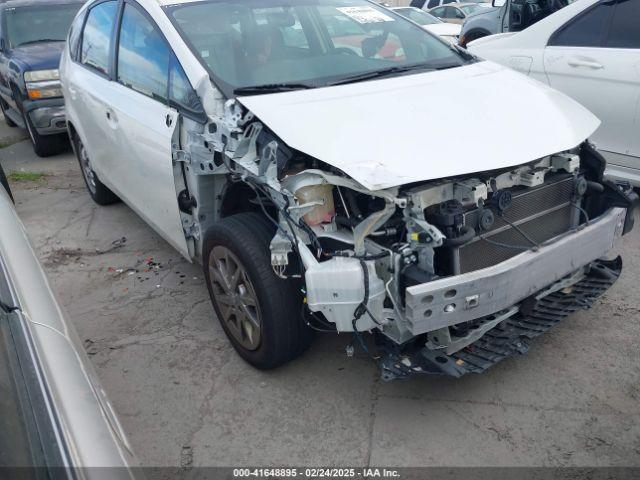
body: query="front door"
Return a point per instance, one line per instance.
(595, 59)
(139, 114)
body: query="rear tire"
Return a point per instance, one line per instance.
(271, 332)
(98, 191)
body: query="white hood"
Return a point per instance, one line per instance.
(444, 29)
(390, 132)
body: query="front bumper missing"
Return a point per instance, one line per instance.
(510, 336)
(484, 292)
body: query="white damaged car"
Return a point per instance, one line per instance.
(304, 151)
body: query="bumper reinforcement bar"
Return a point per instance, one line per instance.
(511, 336)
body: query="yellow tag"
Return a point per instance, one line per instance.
(414, 236)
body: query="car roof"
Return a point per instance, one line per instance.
(27, 3)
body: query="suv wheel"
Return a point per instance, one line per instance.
(99, 193)
(259, 312)
(10, 123)
(43, 145)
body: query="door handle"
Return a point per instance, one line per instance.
(169, 120)
(111, 118)
(575, 62)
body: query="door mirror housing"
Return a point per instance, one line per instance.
(498, 3)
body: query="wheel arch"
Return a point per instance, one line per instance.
(237, 197)
(474, 34)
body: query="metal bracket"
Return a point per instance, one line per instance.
(180, 156)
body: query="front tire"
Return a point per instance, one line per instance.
(259, 312)
(98, 191)
(44, 145)
(10, 123)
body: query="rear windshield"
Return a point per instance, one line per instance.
(38, 23)
(316, 42)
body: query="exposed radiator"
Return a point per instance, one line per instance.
(542, 213)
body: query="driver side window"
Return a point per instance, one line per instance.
(143, 56)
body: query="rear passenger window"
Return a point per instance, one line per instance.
(143, 56)
(587, 30)
(625, 29)
(96, 36)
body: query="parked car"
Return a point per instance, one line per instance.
(456, 12)
(54, 416)
(448, 31)
(508, 16)
(589, 50)
(428, 5)
(323, 188)
(31, 40)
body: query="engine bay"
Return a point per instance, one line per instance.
(376, 260)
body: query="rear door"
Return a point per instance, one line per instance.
(595, 58)
(88, 83)
(140, 115)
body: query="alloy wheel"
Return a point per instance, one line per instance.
(235, 297)
(87, 171)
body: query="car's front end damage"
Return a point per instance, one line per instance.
(451, 274)
(409, 198)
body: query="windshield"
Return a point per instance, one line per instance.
(469, 9)
(39, 23)
(419, 16)
(309, 43)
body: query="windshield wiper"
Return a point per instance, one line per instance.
(379, 73)
(271, 88)
(41, 40)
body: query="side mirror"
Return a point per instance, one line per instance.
(498, 3)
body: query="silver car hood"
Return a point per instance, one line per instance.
(411, 128)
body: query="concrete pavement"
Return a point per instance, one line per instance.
(185, 398)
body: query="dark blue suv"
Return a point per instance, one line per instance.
(32, 36)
